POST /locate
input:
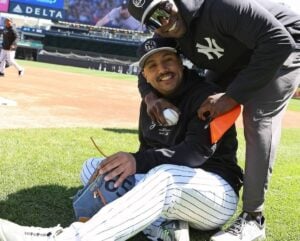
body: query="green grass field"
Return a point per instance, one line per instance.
(294, 105)
(40, 172)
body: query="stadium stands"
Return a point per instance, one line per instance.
(107, 49)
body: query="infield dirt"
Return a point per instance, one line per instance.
(51, 98)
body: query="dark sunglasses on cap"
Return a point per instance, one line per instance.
(161, 13)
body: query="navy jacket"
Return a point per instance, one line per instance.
(10, 37)
(188, 142)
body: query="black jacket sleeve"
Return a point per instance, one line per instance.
(193, 151)
(259, 30)
(144, 87)
(14, 39)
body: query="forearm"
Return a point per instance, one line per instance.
(267, 39)
(150, 97)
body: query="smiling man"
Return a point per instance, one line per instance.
(165, 58)
(251, 49)
(9, 46)
(182, 179)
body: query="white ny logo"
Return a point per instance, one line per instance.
(212, 48)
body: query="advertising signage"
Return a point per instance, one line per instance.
(36, 11)
(58, 4)
(102, 13)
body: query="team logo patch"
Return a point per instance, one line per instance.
(138, 3)
(149, 45)
(212, 50)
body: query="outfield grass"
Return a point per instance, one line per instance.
(294, 103)
(39, 173)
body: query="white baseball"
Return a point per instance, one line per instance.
(171, 116)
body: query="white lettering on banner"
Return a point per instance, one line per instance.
(59, 15)
(28, 10)
(17, 9)
(37, 11)
(51, 13)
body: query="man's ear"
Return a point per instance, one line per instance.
(144, 75)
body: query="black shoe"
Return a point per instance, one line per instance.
(21, 72)
(1, 74)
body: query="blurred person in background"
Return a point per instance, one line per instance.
(251, 49)
(9, 46)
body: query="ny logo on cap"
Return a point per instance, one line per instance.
(150, 45)
(138, 3)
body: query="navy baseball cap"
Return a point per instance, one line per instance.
(124, 4)
(140, 9)
(154, 45)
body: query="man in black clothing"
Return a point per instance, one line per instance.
(180, 174)
(249, 48)
(9, 46)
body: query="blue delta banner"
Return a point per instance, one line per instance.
(57, 4)
(36, 11)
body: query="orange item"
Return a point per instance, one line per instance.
(222, 123)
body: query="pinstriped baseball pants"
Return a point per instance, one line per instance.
(9, 56)
(202, 198)
(262, 118)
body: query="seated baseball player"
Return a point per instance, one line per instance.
(182, 179)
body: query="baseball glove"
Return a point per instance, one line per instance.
(96, 194)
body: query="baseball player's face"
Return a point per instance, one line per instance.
(124, 13)
(163, 70)
(7, 23)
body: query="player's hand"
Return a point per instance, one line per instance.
(155, 107)
(216, 105)
(121, 165)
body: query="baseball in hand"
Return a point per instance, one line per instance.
(171, 116)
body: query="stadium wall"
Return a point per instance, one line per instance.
(112, 46)
(106, 50)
